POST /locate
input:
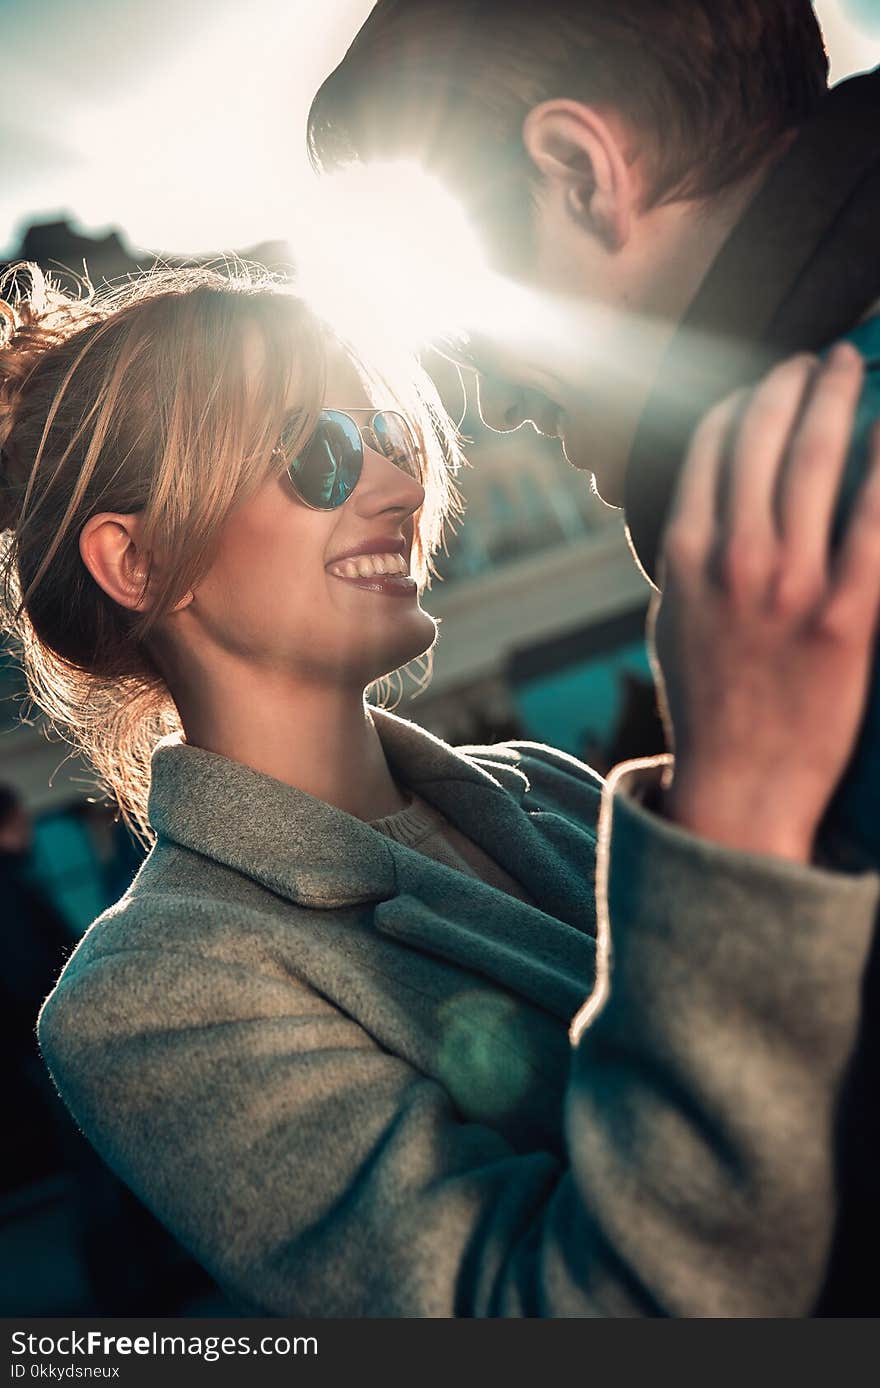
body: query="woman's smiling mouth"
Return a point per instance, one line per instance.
(378, 572)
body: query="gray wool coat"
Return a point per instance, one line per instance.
(341, 1073)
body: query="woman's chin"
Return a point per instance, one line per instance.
(421, 634)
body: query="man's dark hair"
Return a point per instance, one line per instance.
(710, 85)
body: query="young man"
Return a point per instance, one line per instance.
(681, 178)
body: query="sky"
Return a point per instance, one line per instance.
(182, 121)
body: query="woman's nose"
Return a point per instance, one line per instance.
(383, 486)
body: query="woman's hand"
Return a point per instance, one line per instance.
(764, 637)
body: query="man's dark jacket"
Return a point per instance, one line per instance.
(800, 270)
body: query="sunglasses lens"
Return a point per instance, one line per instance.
(391, 435)
(326, 471)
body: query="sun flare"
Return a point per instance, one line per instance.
(387, 242)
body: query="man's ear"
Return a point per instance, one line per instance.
(109, 544)
(582, 154)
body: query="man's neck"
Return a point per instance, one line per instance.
(689, 236)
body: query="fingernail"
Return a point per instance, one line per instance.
(844, 354)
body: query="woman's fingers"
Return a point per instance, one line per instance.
(725, 502)
(852, 606)
(756, 500)
(816, 460)
(690, 531)
(757, 458)
(752, 656)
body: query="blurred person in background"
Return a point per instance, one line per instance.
(685, 202)
(348, 1034)
(42, 1141)
(36, 942)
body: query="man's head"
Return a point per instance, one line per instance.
(603, 148)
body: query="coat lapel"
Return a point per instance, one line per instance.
(292, 843)
(546, 853)
(319, 856)
(546, 955)
(468, 923)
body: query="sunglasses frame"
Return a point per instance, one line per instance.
(349, 413)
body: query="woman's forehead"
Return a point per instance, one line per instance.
(343, 382)
(344, 385)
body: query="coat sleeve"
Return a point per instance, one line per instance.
(315, 1174)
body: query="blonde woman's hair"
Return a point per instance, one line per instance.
(137, 399)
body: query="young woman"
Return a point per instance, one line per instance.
(324, 1035)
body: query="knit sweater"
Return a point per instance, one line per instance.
(422, 827)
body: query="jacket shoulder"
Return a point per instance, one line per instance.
(554, 779)
(151, 947)
(186, 908)
(535, 756)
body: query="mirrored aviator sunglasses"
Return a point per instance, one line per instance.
(328, 466)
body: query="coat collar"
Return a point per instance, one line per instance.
(303, 848)
(798, 270)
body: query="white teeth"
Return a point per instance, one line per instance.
(370, 565)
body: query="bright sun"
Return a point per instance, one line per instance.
(386, 241)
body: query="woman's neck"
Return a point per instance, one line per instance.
(319, 739)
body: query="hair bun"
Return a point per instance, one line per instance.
(8, 323)
(9, 498)
(35, 316)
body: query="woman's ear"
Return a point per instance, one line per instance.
(109, 544)
(582, 154)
